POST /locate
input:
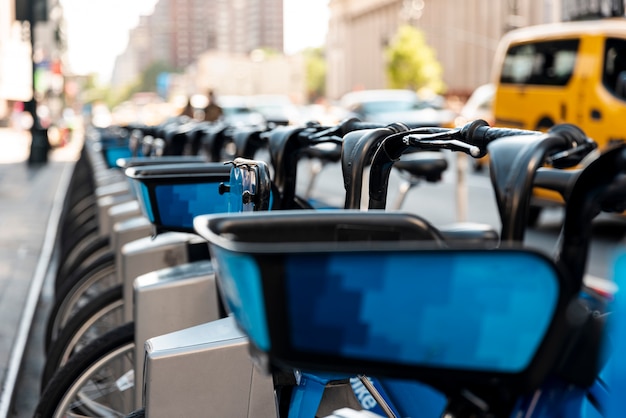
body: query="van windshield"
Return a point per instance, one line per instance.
(548, 63)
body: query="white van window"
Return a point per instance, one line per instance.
(541, 63)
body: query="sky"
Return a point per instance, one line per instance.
(97, 30)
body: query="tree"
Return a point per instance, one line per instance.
(145, 82)
(315, 64)
(148, 78)
(412, 63)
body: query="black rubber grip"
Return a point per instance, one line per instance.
(479, 133)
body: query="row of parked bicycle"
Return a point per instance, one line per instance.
(195, 277)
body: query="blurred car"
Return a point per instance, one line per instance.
(237, 112)
(397, 105)
(478, 106)
(277, 109)
(325, 114)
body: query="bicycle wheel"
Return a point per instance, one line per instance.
(77, 291)
(96, 382)
(95, 319)
(82, 255)
(75, 236)
(60, 282)
(86, 211)
(86, 205)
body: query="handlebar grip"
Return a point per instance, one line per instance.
(479, 133)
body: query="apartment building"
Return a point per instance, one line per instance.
(179, 31)
(241, 26)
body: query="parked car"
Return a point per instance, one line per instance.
(237, 112)
(397, 105)
(277, 109)
(478, 106)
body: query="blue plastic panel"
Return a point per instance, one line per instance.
(113, 153)
(178, 204)
(615, 370)
(241, 287)
(480, 311)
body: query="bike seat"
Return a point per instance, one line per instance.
(426, 164)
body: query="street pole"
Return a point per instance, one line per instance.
(39, 146)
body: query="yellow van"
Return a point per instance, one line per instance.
(572, 72)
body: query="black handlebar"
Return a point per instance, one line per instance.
(512, 174)
(336, 133)
(480, 134)
(474, 138)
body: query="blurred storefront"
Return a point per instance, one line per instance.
(15, 63)
(18, 58)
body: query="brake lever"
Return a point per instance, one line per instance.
(443, 141)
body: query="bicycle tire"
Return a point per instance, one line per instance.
(82, 255)
(87, 231)
(79, 287)
(86, 204)
(76, 196)
(90, 322)
(87, 373)
(76, 229)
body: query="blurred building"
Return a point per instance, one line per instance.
(464, 35)
(248, 74)
(13, 50)
(180, 30)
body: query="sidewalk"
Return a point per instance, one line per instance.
(30, 198)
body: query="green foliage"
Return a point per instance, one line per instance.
(146, 82)
(148, 78)
(91, 90)
(412, 63)
(315, 67)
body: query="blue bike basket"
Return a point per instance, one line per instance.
(114, 148)
(339, 291)
(171, 195)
